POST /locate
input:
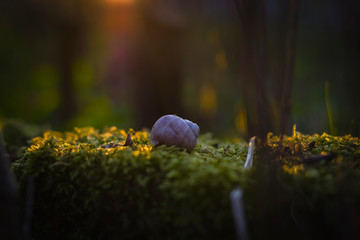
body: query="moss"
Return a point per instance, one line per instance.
(88, 186)
(308, 199)
(130, 192)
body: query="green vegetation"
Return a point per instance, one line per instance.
(306, 187)
(86, 189)
(90, 187)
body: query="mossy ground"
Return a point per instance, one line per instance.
(128, 192)
(89, 187)
(306, 187)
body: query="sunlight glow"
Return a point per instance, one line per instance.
(119, 2)
(241, 121)
(208, 99)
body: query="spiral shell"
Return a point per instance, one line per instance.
(171, 130)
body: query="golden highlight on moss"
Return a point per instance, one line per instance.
(294, 149)
(143, 192)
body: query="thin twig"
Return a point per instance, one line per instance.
(250, 154)
(238, 211)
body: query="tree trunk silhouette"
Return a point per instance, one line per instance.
(158, 66)
(252, 66)
(289, 66)
(352, 61)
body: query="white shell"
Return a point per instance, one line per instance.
(171, 130)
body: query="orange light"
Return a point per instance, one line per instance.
(208, 99)
(241, 121)
(119, 2)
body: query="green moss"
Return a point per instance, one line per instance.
(90, 187)
(318, 199)
(130, 192)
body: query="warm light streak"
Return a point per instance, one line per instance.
(241, 121)
(208, 99)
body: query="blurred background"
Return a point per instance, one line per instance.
(236, 67)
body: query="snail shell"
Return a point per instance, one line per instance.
(171, 130)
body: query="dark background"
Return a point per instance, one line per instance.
(237, 68)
